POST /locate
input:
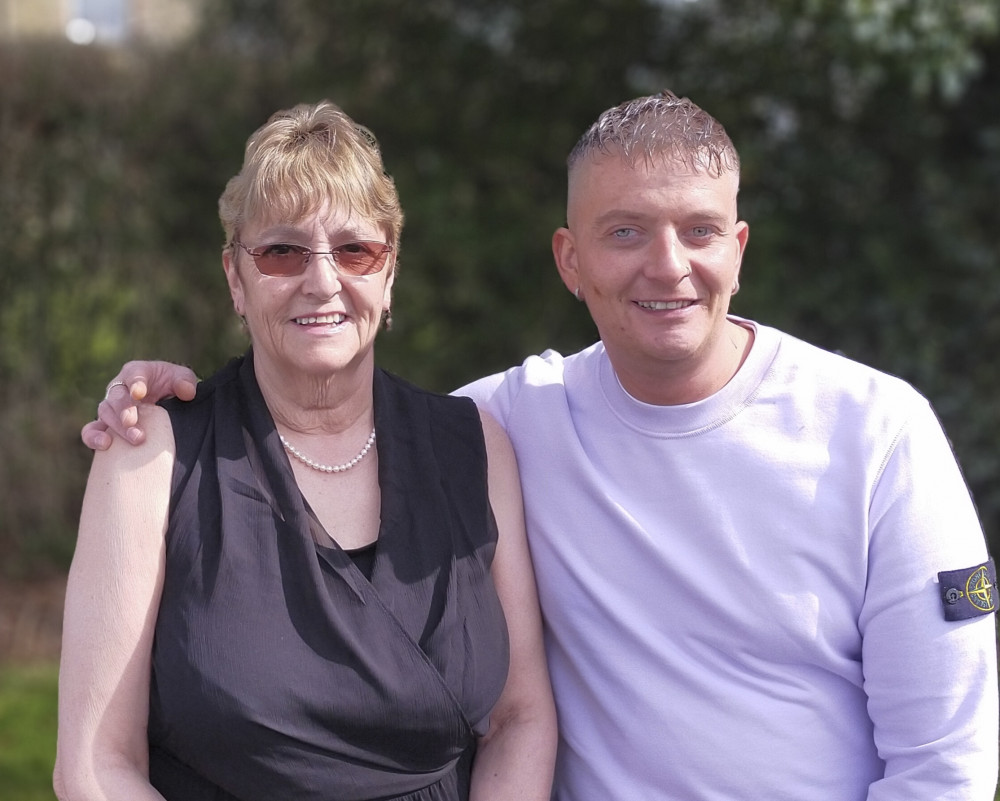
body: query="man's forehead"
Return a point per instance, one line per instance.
(607, 188)
(595, 175)
(676, 162)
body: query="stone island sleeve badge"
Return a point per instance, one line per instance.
(970, 592)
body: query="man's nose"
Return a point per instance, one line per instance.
(670, 258)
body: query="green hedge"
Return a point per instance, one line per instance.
(870, 179)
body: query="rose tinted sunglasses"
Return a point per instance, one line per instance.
(353, 258)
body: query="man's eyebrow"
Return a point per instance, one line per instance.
(631, 215)
(619, 215)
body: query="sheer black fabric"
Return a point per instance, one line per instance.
(279, 669)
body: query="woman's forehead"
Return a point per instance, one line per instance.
(324, 220)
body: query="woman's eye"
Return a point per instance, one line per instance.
(281, 249)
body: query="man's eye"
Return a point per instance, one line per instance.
(701, 231)
(623, 233)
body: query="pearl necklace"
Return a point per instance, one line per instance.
(328, 468)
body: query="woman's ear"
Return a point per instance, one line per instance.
(389, 281)
(233, 280)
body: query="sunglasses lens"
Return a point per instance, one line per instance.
(281, 259)
(361, 258)
(354, 258)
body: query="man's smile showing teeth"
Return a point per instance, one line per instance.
(664, 305)
(324, 319)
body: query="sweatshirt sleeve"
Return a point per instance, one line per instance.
(931, 682)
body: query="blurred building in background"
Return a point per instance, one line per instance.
(101, 22)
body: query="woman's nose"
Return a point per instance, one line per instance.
(322, 277)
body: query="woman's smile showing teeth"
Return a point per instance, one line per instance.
(663, 305)
(323, 319)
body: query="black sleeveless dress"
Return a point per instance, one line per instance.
(279, 670)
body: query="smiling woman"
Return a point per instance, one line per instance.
(313, 293)
(306, 515)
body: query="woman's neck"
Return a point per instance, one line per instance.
(328, 403)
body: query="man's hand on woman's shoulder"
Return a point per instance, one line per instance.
(137, 381)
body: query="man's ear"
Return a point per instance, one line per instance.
(742, 235)
(564, 253)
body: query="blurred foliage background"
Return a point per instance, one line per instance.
(869, 132)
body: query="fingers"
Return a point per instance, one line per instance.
(95, 436)
(153, 381)
(185, 388)
(137, 389)
(137, 381)
(117, 413)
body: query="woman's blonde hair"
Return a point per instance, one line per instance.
(304, 157)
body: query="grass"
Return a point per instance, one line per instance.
(27, 732)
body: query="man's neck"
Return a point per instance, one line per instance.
(668, 385)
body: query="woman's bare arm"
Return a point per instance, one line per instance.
(112, 597)
(516, 758)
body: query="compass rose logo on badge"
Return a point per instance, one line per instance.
(970, 592)
(979, 590)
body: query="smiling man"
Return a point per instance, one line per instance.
(743, 544)
(761, 572)
(654, 248)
